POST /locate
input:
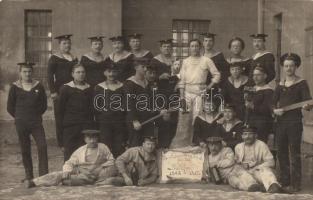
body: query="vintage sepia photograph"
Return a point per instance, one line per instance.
(156, 99)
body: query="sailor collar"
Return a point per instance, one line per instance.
(142, 53)
(233, 124)
(18, 84)
(244, 80)
(282, 83)
(91, 58)
(162, 60)
(126, 54)
(72, 84)
(133, 79)
(104, 85)
(229, 60)
(264, 87)
(213, 55)
(63, 57)
(258, 55)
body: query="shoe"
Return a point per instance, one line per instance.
(274, 188)
(291, 189)
(29, 184)
(255, 188)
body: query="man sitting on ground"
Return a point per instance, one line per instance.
(223, 160)
(89, 164)
(138, 165)
(254, 156)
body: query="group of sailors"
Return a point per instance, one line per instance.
(221, 104)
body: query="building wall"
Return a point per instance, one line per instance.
(83, 18)
(154, 19)
(297, 15)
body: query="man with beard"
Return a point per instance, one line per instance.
(254, 156)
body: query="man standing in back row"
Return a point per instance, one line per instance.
(59, 72)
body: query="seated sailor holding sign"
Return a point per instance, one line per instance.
(222, 167)
(289, 121)
(254, 156)
(138, 165)
(89, 164)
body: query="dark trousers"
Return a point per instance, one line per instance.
(114, 135)
(58, 123)
(288, 139)
(167, 131)
(72, 139)
(135, 138)
(24, 130)
(264, 128)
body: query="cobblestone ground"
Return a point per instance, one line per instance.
(11, 172)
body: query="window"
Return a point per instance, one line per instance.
(185, 30)
(38, 41)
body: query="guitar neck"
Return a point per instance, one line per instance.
(297, 105)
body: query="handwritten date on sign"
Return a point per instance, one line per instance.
(186, 166)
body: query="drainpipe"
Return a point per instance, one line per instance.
(261, 16)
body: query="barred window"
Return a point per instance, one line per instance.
(38, 41)
(185, 30)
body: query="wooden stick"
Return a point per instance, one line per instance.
(297, 105)
(154, 118)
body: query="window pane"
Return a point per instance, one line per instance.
(38, 40)
(183, 31)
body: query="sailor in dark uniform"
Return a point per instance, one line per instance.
(135, 47)
(110, 112)
(59, 73)
(230, 128)
(233, 89)
(259, 106)
(263, 57)
(216, 56)
(94, 62)
(27, 101)
(236, 45)
(121, 59)
(289, 128)
(137, 94)
(76, 110)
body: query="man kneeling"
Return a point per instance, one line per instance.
(222, 167)
(255, 156)
(89, 164)
(138, 165)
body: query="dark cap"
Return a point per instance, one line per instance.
(291, 56)
(141, 61)
(26, 64)
(260, 68)
(249, 129)
(90, 132)
(166, 41)
(63, 37)
(259, 36)
(150, 139)
(229, 107)
(235, 64)
(208, 35)
(152, 67)
(214, 139)
(117, 38)
(111, 66)
(135, 36)
(96, 38)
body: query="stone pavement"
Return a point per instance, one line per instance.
(11, 172)
(136, 193)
